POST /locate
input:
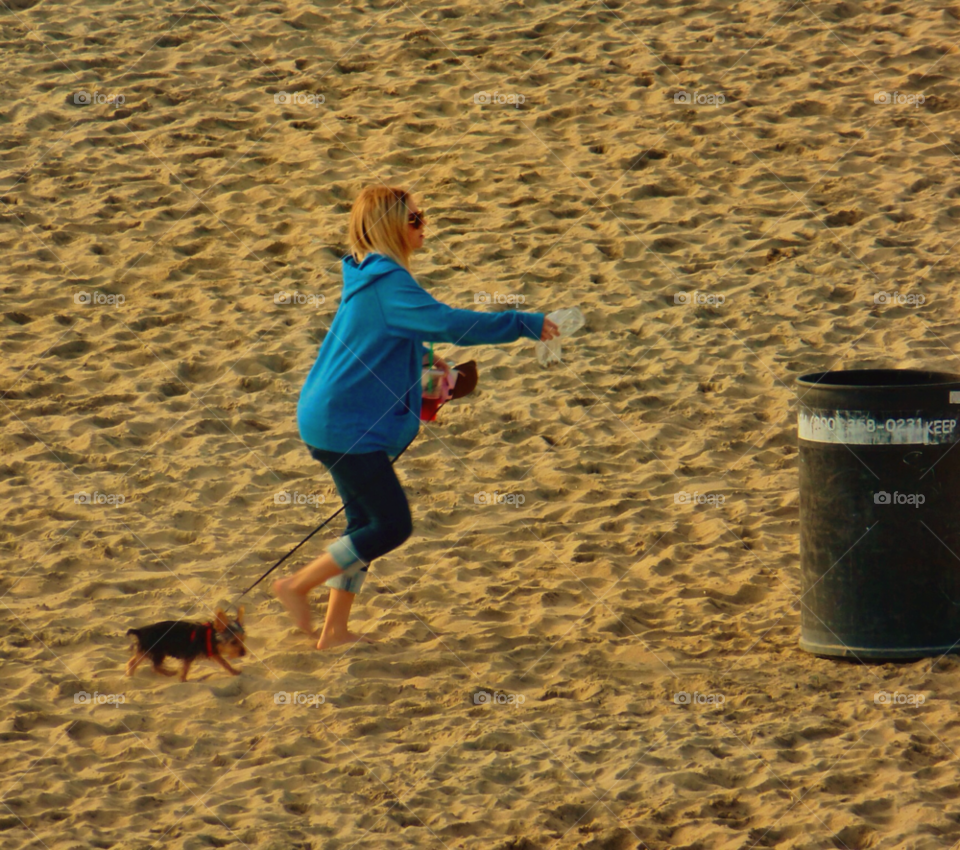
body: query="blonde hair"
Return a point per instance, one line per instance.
(378, 223)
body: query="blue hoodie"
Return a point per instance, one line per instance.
(363, 393)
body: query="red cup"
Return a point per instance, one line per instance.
(429, 408)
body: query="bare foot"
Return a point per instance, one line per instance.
(296, 604)
(327, 641)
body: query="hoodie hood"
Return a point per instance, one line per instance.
(357, 277)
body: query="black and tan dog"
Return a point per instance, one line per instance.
(189, 641)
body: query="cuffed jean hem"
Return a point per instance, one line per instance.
(351, 584)
(346, 556)
(353, 566)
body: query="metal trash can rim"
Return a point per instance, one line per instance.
(893, 379)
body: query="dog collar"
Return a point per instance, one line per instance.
(209, 638)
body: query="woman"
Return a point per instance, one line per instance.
(361, 401)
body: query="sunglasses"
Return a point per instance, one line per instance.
(417, 219)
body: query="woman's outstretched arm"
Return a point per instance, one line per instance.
(409, 309)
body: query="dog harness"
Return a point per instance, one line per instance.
(209, 638)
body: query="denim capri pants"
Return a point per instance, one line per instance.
(378, 514)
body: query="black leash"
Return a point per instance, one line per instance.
(318, 528)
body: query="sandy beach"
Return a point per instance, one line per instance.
(590, 640)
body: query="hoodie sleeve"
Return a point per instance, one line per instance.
(409, 309)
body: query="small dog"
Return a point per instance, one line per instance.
(189, 641)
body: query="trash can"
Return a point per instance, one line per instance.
(879, 513)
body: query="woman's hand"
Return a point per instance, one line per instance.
(550, 331)
(438, 363)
